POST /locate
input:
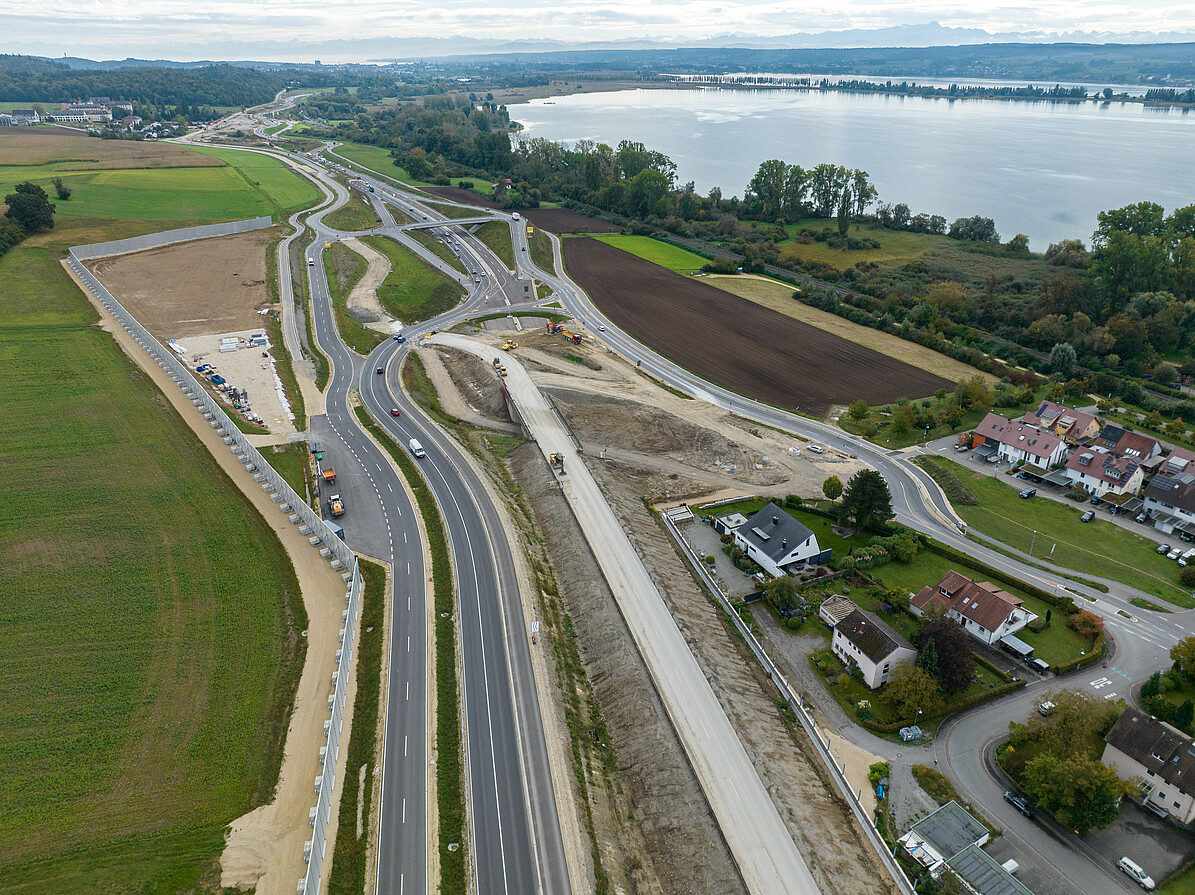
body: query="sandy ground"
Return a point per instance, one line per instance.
(193, 288)
(251, 369)
(265, 847)
(364, 296)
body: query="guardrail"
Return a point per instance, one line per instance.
(280, 492)
(796, 704)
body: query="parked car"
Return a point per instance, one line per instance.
(1163, 549)
(1020, 802)
(1088, 516)
(1095, 501)
(816, 449)
(1136, 874)
(1028, 492)
(1142, 517)
(1175, 553)
(1044, 708)
(1039, 665)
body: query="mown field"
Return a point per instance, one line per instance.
(150, 618)
(376, 159)
(353, 215)
(412, 291)
(496, 237)
(657, 252)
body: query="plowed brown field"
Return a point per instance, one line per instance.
(557, 220)
(738, 344)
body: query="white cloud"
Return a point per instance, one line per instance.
(129, 27)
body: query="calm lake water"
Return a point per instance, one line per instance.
(1042, 169)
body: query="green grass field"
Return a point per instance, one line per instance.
(541, 251)
(353, 215)
(149, 656)
(657, 252)
(496, 236)
(1098, 548)
(376, 159)
(249, 185)
(412, 291)
(344, 269)
(437, 247)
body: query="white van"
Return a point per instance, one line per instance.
(416, 448)
(1136, 874)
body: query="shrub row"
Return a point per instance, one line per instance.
(949, 482)
(953, 708)
(1095, 654)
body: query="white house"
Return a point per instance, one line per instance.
(1157, 760)
(864, 640)
(1098, 472)
(985, 611)
(1170, 497)
(777, 542)
(1020, 442)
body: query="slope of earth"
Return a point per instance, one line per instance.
(750, 349)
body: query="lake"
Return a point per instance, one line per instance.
(1038, 168)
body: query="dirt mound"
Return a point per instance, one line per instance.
(745, 347)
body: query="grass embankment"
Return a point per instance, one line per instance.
(272, 323)
(290, 461)
(541, 251)
(658, 252)
(496, 237)
(449, 775)
(377, 160)
(454, 211)
(412, 291)
(151, 618)
(344, 269)
(352, 842)
(353, 215)
(1099, 547)
(436, 247)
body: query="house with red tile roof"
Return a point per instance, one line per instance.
(1099, 472)
(1020, 442)
(1073, 426)
(985, 611)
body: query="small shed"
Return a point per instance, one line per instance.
(729, 523)
(835, 609)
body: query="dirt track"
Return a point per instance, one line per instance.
(751, 349)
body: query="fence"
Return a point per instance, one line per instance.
(299, 512)
(795, 703)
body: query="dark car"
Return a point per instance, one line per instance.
(1088, 516)
(1019, 802)
(379, 370)
(1163, 549)
(1029, 492)
(1095, 501)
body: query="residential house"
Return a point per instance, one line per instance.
(1020, 442)
(952, 838)
(1170, 499)
(1073, 426)
(862, 639)
(985, 611)
(1157, 760)
(835, 609)
(1100, 472)
(1125, 443)
(5, 119)
(131, 122)
(23, 117)
(777, 542)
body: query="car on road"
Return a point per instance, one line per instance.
(1136, 874)
(311, 262)
(1088, 516)
(1020, 802)
(1044, 708)
(816, 449)
(400, 338)
(380, 370)
(1028, 492)
(602, 328)
(394, 411)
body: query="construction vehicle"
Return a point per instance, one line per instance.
(575, 338)
(557, 459)
(329, 476)
(509, 345)
(553, 327)
(336, 505)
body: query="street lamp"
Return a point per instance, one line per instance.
(1032, 542)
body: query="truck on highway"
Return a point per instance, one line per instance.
(336, 505)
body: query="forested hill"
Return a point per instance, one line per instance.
(29, 79)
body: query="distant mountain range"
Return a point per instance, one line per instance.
(398, 49)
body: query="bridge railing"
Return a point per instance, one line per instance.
(298, 511)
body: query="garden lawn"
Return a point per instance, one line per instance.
(1099, 548)
(412, 291)
(150, 617)
(657, 252)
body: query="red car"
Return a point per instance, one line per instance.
(394, 411)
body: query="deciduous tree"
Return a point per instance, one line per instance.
(911, 688)
(1183, 656)
(1081, 792)
(832, 488)
(30, 208)
(951, 647)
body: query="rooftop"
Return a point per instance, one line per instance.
(980, 601)
(773, 532)
(981, 872)
(950, 829)
(875, 639)
(1158, 746)
(1022, 436)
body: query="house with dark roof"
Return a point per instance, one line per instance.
(1098, 471)
(1126, 443)
(1073, 426)
(862, 639)
(952, 838)
(1157, 760)
(1170, 499)
(986, 612)
(777, 542)
(24, 117)
(1020, 442)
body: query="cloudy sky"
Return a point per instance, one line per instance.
(118, 28)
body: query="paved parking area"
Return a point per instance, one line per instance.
(1159, 847)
